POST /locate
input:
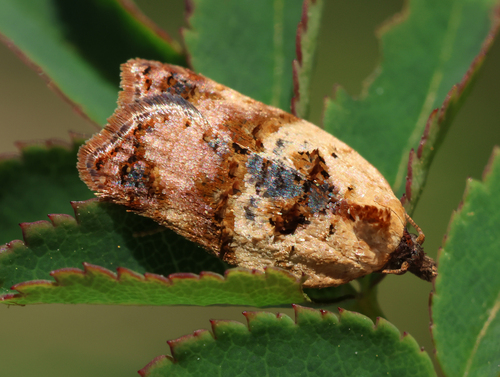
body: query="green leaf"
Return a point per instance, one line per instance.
(97, 285)
(248, 45)
(307, 35)
(42, 180)
(466, 302)
(103, 234)
(318, 344)
(79, 46)
(426, 50)
(438, 124)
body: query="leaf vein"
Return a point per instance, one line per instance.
(482, 333)
(278, 51)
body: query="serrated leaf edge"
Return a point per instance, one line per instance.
(251, 316)
(300, 105)
(30, 228)
(438, 123)
(51, 143)
(123, 274)
(55, 221)
(485, 177)
(136, 13)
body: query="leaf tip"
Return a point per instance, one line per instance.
(92, 269)
(127, 274)
(186, 340)
(22, 287)
(489, 165)
(155, 363)
(59, 219)
(61, 273)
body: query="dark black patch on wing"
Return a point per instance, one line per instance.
(289, 220)
(238, 149)
(297, 195)
(320, 196)
(272, 179)
(249, 215)
(180, 86)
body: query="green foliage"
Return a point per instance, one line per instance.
(466, 302)
(425, 51)
(438, 124)
(79, 46)
(263, 50)
(316, 345)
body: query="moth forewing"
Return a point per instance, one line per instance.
(251, 183)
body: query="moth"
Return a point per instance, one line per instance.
(252, 184)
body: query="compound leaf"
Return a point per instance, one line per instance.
(426, 49)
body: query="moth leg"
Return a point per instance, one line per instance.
(421, 236)
(399, 271)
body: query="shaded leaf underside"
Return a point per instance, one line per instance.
(318, 344)
(42, 180)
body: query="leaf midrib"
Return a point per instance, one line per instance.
(493, 314)
(278, 52)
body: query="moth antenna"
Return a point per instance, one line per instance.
(421, 236)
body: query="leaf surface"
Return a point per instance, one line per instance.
(97, 285)
(79, 46)
(438, 124)
(103, 234)
(317, 344)
(426, 50)
(466, 302)
(43, 179)
(246, 45)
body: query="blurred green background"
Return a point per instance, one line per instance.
(81, 340)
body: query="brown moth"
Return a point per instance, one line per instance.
(250, 183)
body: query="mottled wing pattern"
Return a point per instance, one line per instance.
(153, 157)
(253, 184)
